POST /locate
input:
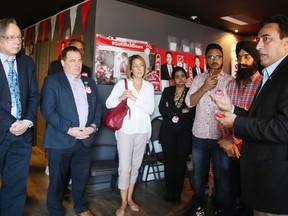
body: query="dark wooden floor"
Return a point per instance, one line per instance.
(103, 203)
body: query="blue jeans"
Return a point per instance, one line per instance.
(225, 196)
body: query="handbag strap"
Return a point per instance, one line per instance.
(126, 88)
(126, 84)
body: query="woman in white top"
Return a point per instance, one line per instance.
(136, 128)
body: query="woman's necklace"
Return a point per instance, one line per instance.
(179, 98)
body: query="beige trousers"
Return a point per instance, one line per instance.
(257, 213)
(131, 149)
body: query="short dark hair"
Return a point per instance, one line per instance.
(213, 46)
(195, 57)
(76, 40)
(168, 52)
(176, 69)
(67, 49)
(282, 22)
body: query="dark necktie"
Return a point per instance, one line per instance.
(14, 88)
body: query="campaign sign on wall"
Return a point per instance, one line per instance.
(165, 58)
(111, 59)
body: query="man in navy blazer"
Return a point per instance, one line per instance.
(16, 134)
(264, 129)
(71, 107)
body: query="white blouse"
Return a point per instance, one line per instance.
(140, 110)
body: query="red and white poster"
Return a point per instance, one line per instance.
(165, 58)
(111, 59)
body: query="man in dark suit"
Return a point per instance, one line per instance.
(196, 69)
(56, 66)
(70, 105)
(264, 155)
(166, 71)
(18, 108)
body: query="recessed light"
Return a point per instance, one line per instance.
(194, 17)
(236, 31)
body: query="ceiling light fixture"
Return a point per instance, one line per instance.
(236, 31)
(234, 20)
(194, 17)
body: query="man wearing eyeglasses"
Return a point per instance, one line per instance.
(206, 134)
(19, 100)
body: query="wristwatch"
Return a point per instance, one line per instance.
(94, 127)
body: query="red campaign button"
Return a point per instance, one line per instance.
(175, 119)
(219, 93)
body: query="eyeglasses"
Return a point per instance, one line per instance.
(12, 37)
(212, 57)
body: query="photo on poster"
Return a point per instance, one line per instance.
(111, 58)
(191, 63)
(196, 65)
(111, 66)
(168, 60)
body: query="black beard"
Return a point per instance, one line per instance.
(244, 74)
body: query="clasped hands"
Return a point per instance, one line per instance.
(80, 132)
(19, 127)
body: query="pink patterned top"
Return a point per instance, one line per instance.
(205, 125)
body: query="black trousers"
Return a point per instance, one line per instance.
(60, 162)
(176, 147)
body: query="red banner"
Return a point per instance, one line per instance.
(104, 42)
(84, 14)
(44, 29)
(61, 20)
